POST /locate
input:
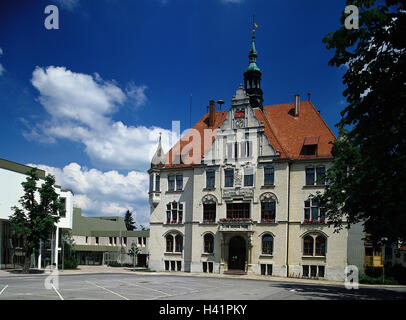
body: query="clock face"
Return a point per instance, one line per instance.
(239, 123)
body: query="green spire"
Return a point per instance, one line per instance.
(253, 55)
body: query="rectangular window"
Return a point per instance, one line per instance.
(269, 176)
(157, 183)
(62, 213)
(179, 265)
(179, 182)
(111, 240)
(209, 212)
(97, 240)
(171, 183)
(139, 241)
(306, 271)
(173, 266)
(248, 180)
(263, 269)
(210, 267)
(321, 271)
(204, 266)
(238, 210)
(210, 179)
(144, 241)
(269, 269)
(168, 216)
(313, 271)
(321, 175)
(268, 209)
(166, 265)
(125, 241)
(229, 178)
(309, 176)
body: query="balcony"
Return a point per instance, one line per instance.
(236, 224)
(154, 198)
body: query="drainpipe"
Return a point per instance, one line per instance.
(287, 225)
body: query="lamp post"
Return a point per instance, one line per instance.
(384, 240)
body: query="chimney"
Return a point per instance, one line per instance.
(212, 113)
(309, 96)
(297, 104)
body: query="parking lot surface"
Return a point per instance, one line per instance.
(136, 286)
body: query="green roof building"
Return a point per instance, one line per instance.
(103, 240)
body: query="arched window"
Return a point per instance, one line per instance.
(178, 243)
(169, 243)
(267, 244)
(320, 246)
(308, 246)
(208, 243)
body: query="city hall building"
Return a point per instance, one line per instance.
(234, 194)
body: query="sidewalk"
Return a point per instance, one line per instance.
(84, 269)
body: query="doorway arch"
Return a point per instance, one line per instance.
(237, 253)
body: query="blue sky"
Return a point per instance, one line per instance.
(87, 101)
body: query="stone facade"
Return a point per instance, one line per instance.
(287, 193)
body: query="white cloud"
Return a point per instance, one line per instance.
(104, 193)
(1, 66)
(80, 108)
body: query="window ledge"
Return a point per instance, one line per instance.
(264, 255)
(174, 253)
(209, 189)
(208, 223)
(206, 254)
(270, 186)
(174, 224)
(267, 223)
(313, 186)
(173, 191)
(313, 257)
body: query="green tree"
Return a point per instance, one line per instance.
(129, 221)
(35, 220)
(367, 182)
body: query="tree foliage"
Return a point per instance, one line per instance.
(33, 219)
(367, 181)
(129, 221)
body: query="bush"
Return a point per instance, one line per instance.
(118, 264)
(373, 272)
(398, 272)
(363, 278)
(69, 264)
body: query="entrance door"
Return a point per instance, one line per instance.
(236, 254)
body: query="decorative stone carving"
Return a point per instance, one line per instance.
(209, 198)
(238, 178)
(244, 193)
(268, 196)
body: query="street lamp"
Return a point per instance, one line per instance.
(384, 240)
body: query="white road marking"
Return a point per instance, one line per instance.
(60, 296)
(117, 294)
(3, 289)
(137, 285)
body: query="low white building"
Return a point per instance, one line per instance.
(11, 253)
(234, 195)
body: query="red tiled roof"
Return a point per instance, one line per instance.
(200, 126)
(285, 132)
(292, 131)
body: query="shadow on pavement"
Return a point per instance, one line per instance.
(341, 293)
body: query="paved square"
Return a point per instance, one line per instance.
(162, 287)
